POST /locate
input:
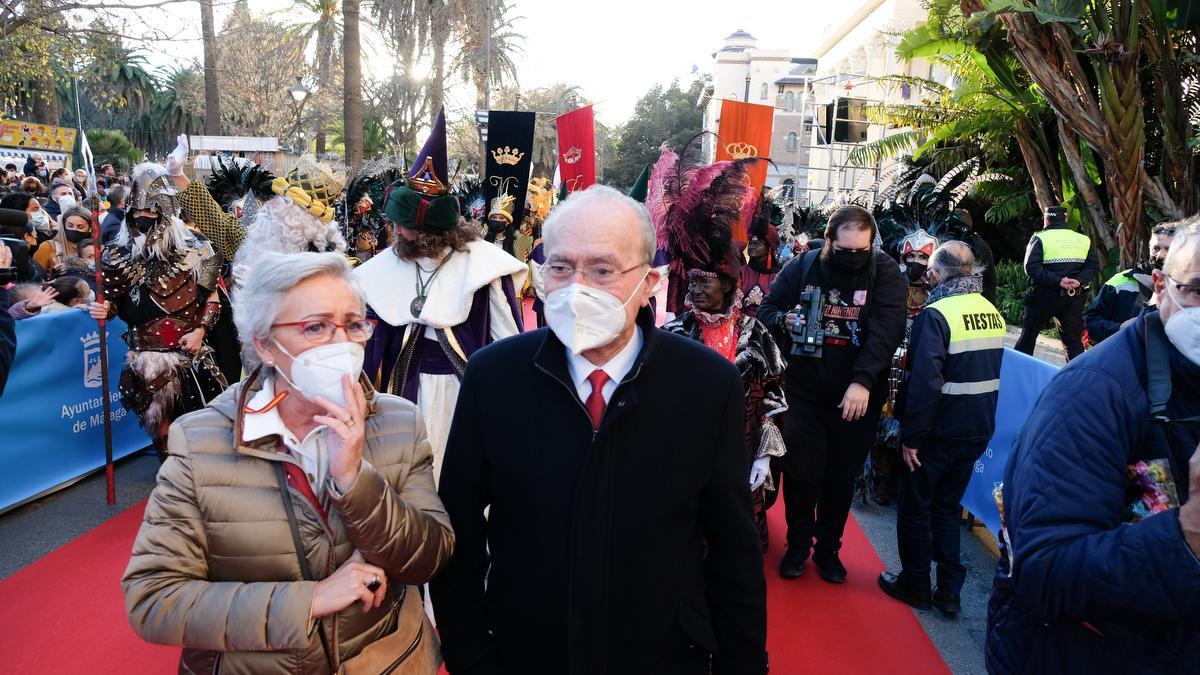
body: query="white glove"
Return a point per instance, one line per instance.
(178, 156)
(759, 470)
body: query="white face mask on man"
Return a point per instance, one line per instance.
(1183, 328)
(585, 318)
(318, 371)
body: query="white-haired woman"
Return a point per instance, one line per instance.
(296, 514)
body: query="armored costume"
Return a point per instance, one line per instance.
(161, 279)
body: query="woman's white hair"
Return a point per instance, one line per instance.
(282, 227)
(257, 301)
(604, 198)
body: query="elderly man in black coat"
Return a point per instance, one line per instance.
(613, 534)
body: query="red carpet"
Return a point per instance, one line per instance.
(65, 614)
(816, 627)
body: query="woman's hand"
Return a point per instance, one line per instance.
(41, 299)
(347, 586)
(192, 341)
(347, 425)
(98, 310)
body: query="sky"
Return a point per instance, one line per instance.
(614, 50)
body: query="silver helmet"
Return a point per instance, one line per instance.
(153, 190)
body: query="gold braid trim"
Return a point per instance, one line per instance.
(282, 187)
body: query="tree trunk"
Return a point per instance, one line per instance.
(45, 102)
(1042, 190)
(1083, 183)
(352, 110)
(212, 84)
(323, 57)
(437, 75)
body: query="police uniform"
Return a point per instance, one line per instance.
(948, 414)
(1053, 254)
(1120, 298)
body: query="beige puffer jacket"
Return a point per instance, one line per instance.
(214, 568)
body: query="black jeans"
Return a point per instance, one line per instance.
(928, 511)
(1043, 304)
(825, 454)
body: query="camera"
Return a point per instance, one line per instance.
(808, 339)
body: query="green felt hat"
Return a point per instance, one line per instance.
(408, 208)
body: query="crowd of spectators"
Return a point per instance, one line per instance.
(53, 248)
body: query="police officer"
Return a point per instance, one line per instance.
(1125, 295)
(948, 415)
(1059, 262)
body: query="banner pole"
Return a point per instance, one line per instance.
(110, 480)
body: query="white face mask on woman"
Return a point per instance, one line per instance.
(318, 371)
(585, 318)
(1183, 328)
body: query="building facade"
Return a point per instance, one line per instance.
(743, 72)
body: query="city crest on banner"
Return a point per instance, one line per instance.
(509, 157)
(576, 149)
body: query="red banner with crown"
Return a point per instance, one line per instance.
(745, 131)
(576, 149)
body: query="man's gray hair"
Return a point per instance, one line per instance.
(604, 198)
(258, 299)
(953, 259)
(1181, 246)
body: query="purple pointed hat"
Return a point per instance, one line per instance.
(429, 174)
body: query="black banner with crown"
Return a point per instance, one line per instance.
(508, 161)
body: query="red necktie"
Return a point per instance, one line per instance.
(595, 401)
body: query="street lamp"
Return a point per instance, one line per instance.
(300, 94)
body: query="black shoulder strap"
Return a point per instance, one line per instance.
(1158, 366)
(297, 542)
(806, 264)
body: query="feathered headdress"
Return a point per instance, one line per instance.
(230, 182)
(695, 207)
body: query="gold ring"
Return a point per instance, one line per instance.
(349, 422)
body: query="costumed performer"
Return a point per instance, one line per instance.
(439, 294)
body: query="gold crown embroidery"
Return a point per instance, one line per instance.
(741, 150)
(572, 155)
(507, 155)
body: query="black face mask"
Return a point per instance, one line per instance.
(852, 261)
(44, 236)
(915, 271)
(75, 236)
(144, 223)
(1157, 263)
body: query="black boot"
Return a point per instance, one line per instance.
(830, 566)
(947, 603)
(792, 565)
(891, 584)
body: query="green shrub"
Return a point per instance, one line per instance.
(1011, 285)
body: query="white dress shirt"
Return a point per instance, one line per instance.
(616, 368)
(310, 452)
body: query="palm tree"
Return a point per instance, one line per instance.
(352, 104)
(323, 29)
(486, 48)
(212, 83)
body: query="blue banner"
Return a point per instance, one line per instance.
(1022, 379)
(53, 405)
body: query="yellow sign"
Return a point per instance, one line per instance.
(30, 136)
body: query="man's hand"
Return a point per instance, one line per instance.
(1189, 513)
(1067, 284)
(854, 403)
(178, 156)
(759, 470)
(792, 320)
(192, 341)
(910, 457)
